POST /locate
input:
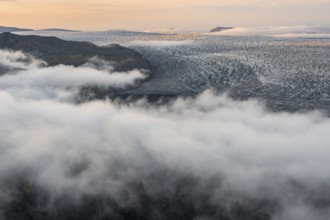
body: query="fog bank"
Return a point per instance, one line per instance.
(208, 157)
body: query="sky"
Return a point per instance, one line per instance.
(151, 14)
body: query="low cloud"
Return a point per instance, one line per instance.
(278, 31)
(30, 78)
(162, 43)
(19, 60)
(207, 157)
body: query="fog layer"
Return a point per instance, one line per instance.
(207, 157)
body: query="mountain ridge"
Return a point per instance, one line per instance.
(13, 29)
(219, 29)
(56, 51)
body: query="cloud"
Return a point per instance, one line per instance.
(18, 60)
(279, 31)
(255, 153)
(162, 43)
(206, 157)
(30, 78)
(173, 30)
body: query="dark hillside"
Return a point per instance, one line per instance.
(56, 51)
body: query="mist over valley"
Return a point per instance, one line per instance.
(135, 125)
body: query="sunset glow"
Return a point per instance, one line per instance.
(148, 14)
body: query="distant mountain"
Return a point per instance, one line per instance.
(58, 29)
(13, 29)
(218, 29)
(56, 51)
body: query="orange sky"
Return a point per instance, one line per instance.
(149, 14)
